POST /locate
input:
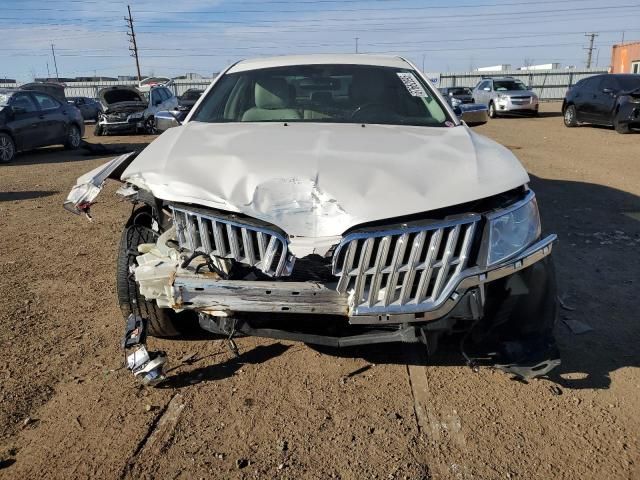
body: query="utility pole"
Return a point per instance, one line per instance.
(357, 38)
(54, 61)
(590, 48)
(48, 74)
(132, 39)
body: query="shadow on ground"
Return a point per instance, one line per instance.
(218, 371)
(28, 195)
(49, 155)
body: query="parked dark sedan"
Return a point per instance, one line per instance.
(31, 119)
(186, 101)
(456, 96)
(609, 99)
(89, 107)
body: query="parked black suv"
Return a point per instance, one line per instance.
(609, 99)
(31, 119)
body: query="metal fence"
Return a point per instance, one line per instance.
(548, 84)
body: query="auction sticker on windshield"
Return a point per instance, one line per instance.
(412, 84)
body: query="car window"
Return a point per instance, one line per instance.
(609, 82)
(507, 85)
(168, 93)
(591, 84)
(24, 101)
(323, 93)
(460, 91)
(628, 82)
(45, 101)
(155, 96)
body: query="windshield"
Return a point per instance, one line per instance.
(460, 91)
(630, 82)
(323, 93)
(191, 95)
(504, 85)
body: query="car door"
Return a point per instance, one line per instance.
(25, 121)
(172, 100)
(585, 106)
(53, 118)
(478, 93)
(484, 94)
(605, 100)
(155, 101)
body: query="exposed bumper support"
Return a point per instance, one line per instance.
(161, 278)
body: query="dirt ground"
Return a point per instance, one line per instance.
(285, 410)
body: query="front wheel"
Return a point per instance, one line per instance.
(73, 138)
(621, 127)
(570, 117)
(492, 111)
(160, 321)
(7, 148)
(150, 126)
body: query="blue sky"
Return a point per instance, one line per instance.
(203, 36)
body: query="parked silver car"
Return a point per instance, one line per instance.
(126, 109)
(505, 95)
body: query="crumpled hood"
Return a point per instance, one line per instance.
(318, 180)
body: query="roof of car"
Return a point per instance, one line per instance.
(320, 59)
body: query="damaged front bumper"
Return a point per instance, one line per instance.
(162, 278)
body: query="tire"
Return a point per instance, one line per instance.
(74, 138)
(623, 128)
(150, 126)
(570, 116)
(98, 130)
(160, 322)
(7, 148)
(492, 110)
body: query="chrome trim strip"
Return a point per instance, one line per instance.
(225, 238)
(401, 255)
(195, 292)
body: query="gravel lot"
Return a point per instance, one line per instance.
(284, 410)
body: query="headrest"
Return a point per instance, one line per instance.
(367, 88)
(272, 93)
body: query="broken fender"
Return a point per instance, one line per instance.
(89, 185)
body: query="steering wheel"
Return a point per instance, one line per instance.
(366, 106)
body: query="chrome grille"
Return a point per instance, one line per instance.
(520, 100)
(407, 270)
(248, 244)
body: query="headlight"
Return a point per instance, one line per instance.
(512, 232)
(503, 97)
(455, 101)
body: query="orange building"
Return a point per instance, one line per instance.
(626, 58)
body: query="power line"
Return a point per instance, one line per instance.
(132, 39)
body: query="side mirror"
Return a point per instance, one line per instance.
(458, 112)
(165, 120)
(157, 102)
(473, 114)
(608, 91)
